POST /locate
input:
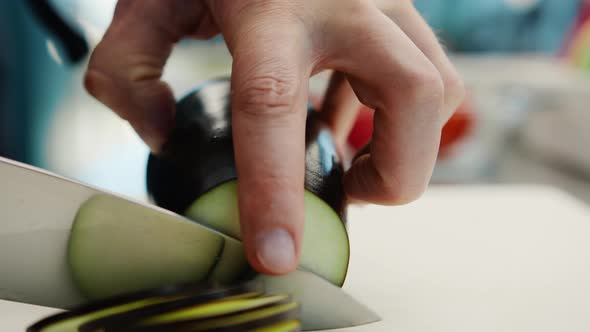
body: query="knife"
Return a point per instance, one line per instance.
(323, 306)
(37, 210)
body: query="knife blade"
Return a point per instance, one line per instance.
(37, 210)
(323, 305)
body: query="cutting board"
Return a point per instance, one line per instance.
(460, 259)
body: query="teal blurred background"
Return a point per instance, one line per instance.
(31, 84)
(501, 25)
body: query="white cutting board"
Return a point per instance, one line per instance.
(461, 259)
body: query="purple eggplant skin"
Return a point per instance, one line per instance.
(199, 154)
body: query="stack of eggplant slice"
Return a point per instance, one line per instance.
(237, 308)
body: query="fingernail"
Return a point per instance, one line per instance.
(276, 250)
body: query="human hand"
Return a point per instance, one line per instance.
(383, 54)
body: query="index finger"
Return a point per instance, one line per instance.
(269, 98)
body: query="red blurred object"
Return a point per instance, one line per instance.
(362, 130)
(456, 129)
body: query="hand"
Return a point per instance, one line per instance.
(383, 54)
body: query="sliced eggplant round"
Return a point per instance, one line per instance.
(224, 307)
(250, 320)
(118, 246)
(168, 316)
(243, 321)
(72, 320)
(325, 247)
(232, 266)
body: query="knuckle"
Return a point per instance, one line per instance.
(123, 7)
(93, 80)
(97, 78)
(426, 86)
(399, 193)
(361, 7)
(268, 95)
(402, 186)
(454, 90)
(361, 16)
(106, 90)
(144, 67)
(229, 11)
(90, 83)
(177, 18)
(357, 16)
(392, 8)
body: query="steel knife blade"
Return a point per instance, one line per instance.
(37, 210)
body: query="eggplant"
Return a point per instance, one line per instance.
(199, 154)
(195, 175)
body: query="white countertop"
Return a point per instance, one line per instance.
(460, 259)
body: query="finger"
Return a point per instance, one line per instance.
(390, 74)
(269, 84)
(405, 15)
(340, 107)
(125, 68)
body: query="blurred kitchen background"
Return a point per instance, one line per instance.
(526, 64)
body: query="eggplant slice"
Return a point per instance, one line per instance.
(188, 294)
(239, 322)
(172, 316)
(182, 308)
